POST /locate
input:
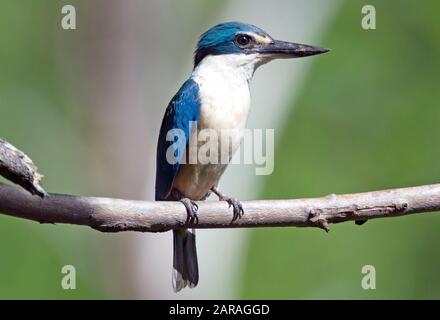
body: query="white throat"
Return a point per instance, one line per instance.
(238, 66)
(224, 90)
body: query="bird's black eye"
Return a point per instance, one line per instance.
(243, 40)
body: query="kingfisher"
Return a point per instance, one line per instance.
(216, 96)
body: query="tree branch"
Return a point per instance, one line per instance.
(114, 215)
(17, 167)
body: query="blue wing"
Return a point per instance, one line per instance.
(183, 108)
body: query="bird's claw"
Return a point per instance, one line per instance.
(234, 202)
(237, 206)
(191, 210)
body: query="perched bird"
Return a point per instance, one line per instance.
(216, 96)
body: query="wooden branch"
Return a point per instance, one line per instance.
(17, 167)
(114, 215)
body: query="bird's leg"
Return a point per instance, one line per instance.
(234, 202)
(190, 205)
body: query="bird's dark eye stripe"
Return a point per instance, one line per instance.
(243, 39)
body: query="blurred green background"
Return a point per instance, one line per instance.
(365, 117)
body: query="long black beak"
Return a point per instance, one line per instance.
(283, 49)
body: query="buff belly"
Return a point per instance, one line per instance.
(194, 181)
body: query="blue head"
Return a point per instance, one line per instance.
(243, 38)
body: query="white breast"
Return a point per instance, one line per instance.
(224, 92)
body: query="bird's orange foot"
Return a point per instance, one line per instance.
(234, 202)
(191, 210)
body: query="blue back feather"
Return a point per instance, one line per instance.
(183, 108)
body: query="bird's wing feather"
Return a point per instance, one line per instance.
(183, 108)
